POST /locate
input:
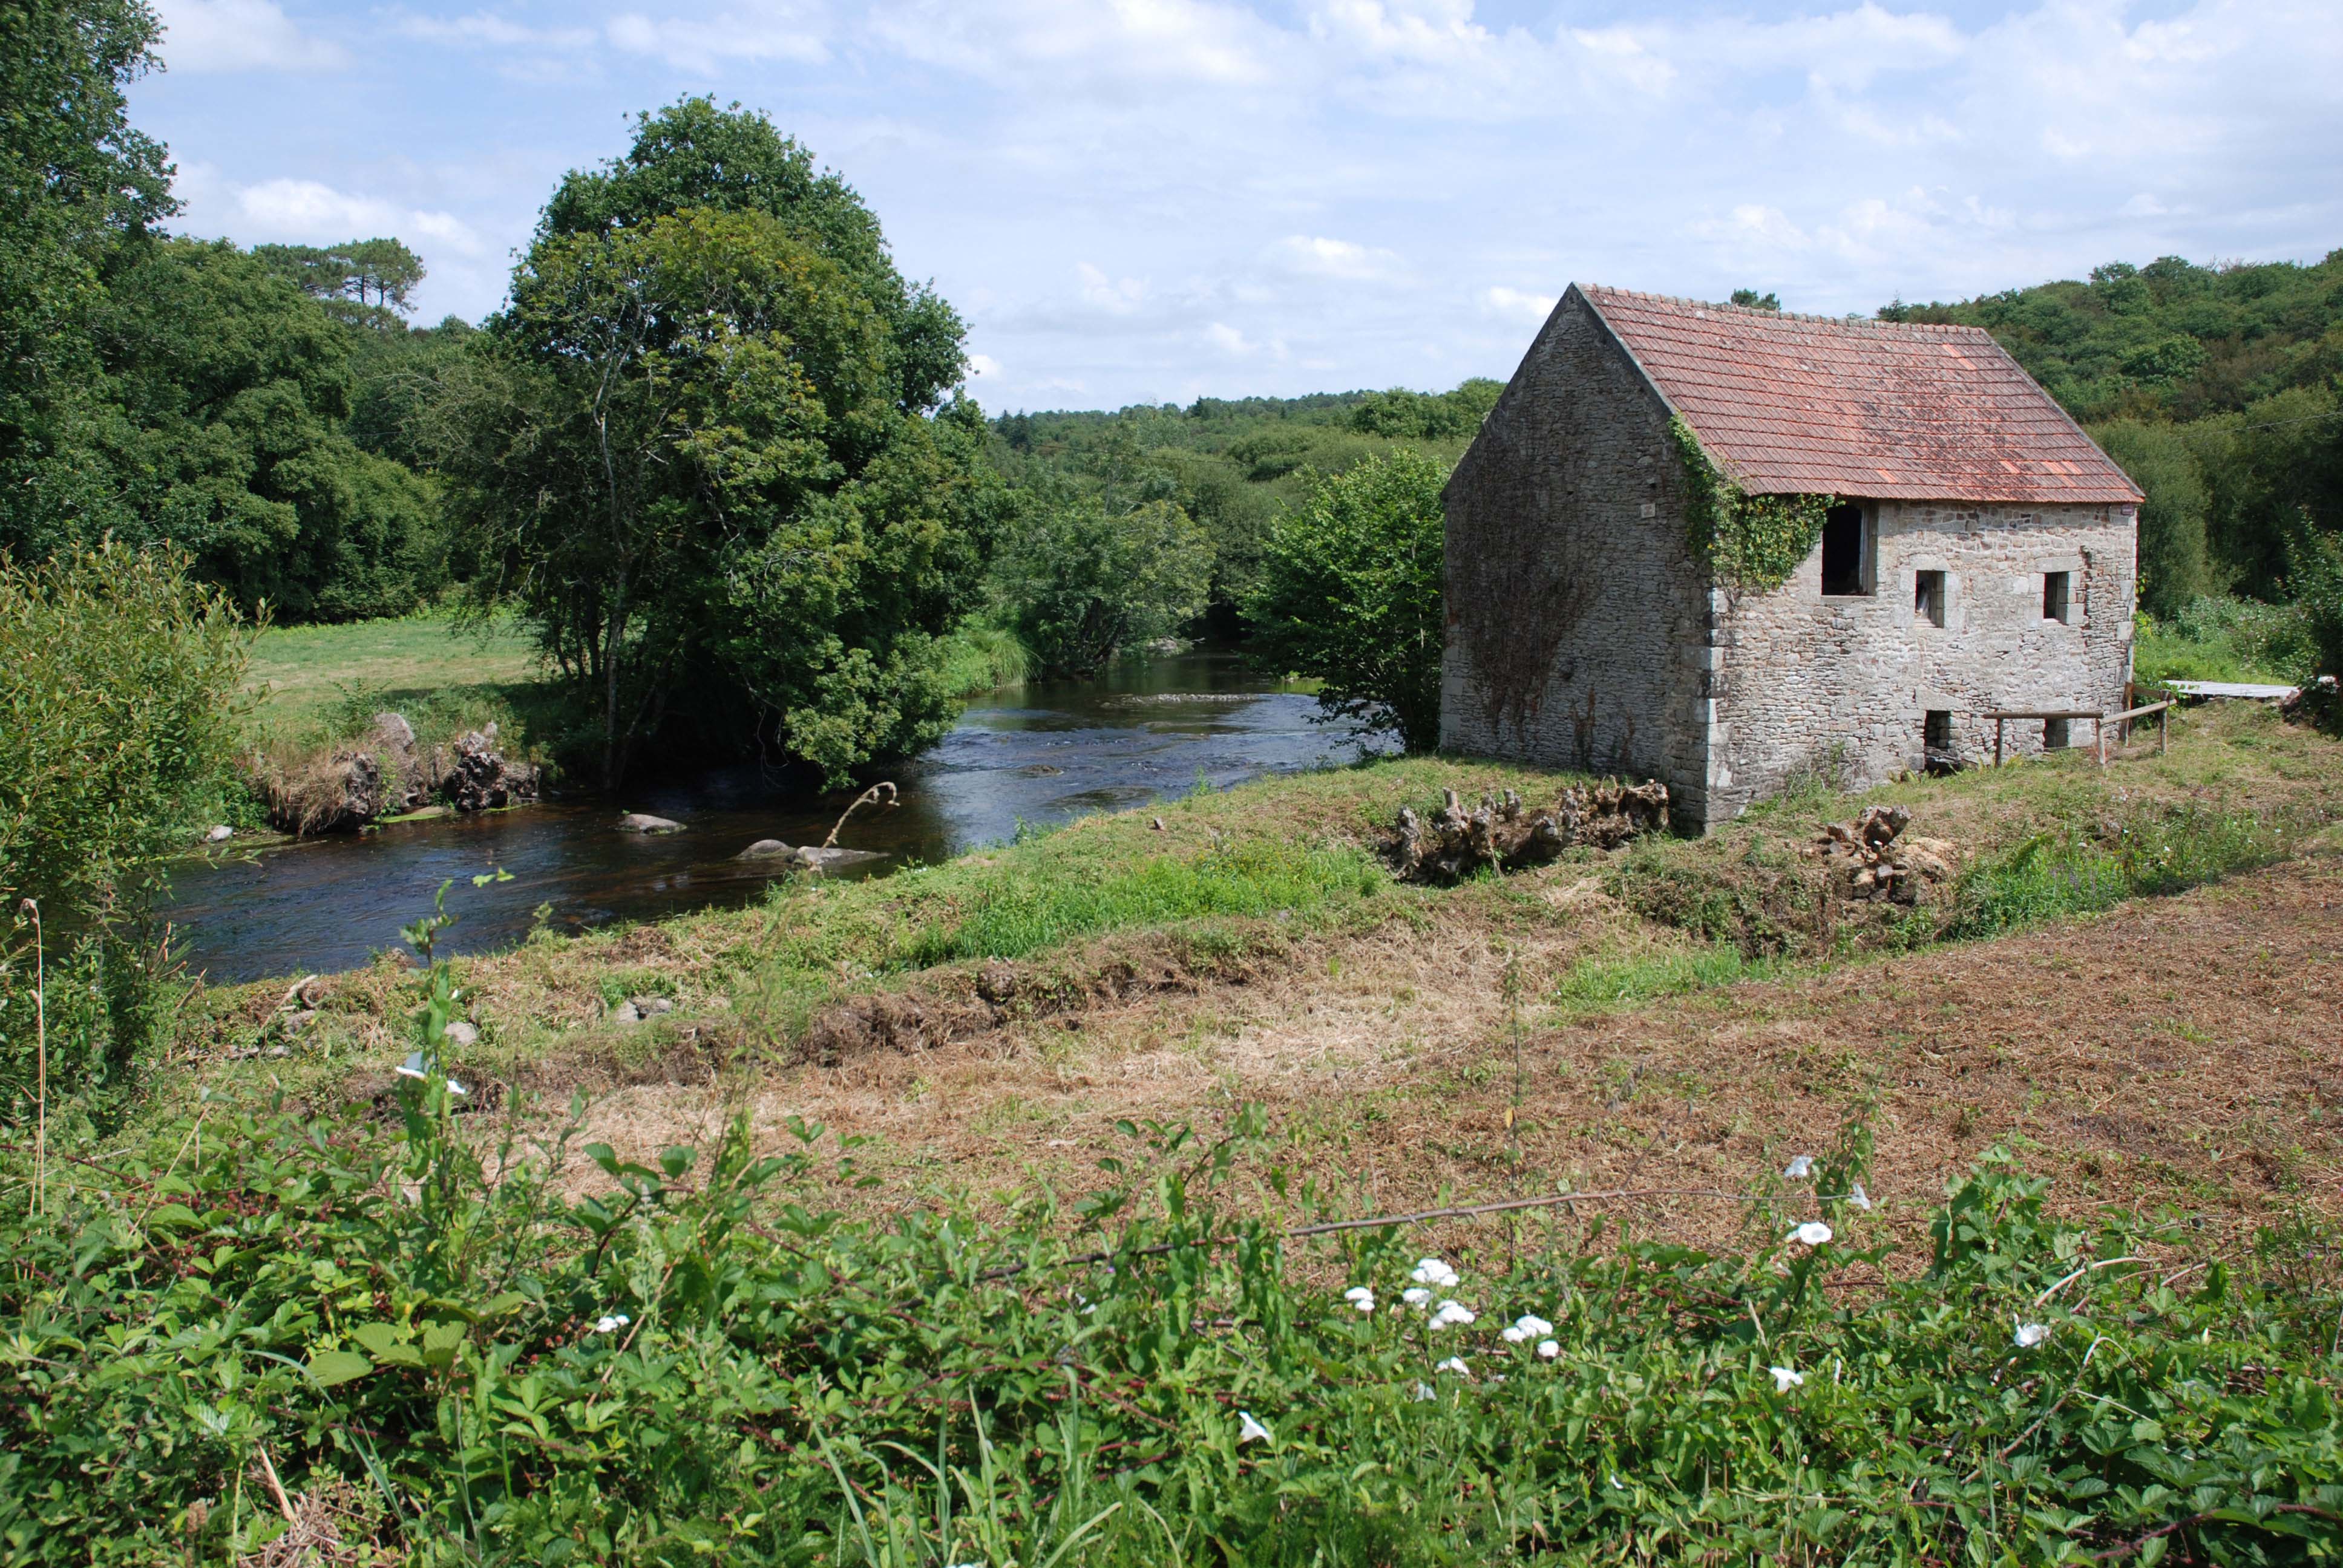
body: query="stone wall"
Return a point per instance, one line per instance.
(1800, 677)
(1577, 615)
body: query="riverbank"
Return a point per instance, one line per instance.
(1683, 1010)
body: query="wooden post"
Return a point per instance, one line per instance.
(2100, 734)
(2163, 727)
(1997, 742)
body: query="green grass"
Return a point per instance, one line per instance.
(302, 673)
(982, 658)
(1222, 857)
(1614, 980)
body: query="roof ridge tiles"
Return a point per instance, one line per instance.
(1858, 323)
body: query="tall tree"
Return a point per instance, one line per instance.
(373, 278)
(693, 154)
(76, 185)
(1351, 591)
(684, 446)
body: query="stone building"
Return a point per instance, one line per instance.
(1976, 553)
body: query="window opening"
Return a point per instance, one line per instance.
(2053, 735)
(1845, 541)
(2054, 596)
(1928, 597)
(1937, 730)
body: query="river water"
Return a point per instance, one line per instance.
(1041, 754)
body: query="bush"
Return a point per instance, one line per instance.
(1349, 595)
(2212, 638)
(2315, 574)
(118, 680)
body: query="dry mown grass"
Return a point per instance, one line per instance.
(2185, 1050)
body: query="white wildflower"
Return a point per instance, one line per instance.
(1547, 1350)
(2028, 1335)
(1533, 1325)
(1360, 1298)
(1250, 1430)
(1513, 1333)
(612, 1323)
(1452, 1312)
(1434, 1272)
(1799, 1169)
(1424, 1394)
(1785, 1378)
(1415, 1296)
(1456, 1364)
(1859, 1198)
(1812, 1233)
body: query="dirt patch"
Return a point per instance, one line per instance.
(2185, 1052)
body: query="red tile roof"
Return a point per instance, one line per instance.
(1813, 405)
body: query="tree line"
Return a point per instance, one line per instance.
(2219, 388)
(716, 450)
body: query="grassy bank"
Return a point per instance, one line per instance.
(1270, 888)
(1010, 1311)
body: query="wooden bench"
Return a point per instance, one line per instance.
(2099, 722)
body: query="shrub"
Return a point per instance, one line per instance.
(118, 682)
(1349, 595)
(2315, 574)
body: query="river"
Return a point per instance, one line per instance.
(1041, 754)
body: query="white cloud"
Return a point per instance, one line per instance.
(1437, 31)
(1102, 293)
(1318, 257)
(487, 30)
(204, 35)
(1514, 302)
(706, 48)
(311, 212)
(1754, 224)
(984, 365)
(1084, 48)
(1229, 341)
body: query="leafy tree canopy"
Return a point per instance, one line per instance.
(1089, 579)
(684, 447)
(2171, 339)
(1349, 595)
(368, 279)
(693, 154)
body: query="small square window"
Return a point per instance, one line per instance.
(1928, 597)
(1847, 551)
(1937, 730)
(2053, 735)
(2055, 595)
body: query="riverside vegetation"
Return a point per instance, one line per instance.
(247, 1321)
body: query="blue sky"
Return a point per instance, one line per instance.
(1146, 200)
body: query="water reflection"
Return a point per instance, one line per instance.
(1043, 754)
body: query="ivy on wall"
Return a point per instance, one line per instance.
(1753, 542)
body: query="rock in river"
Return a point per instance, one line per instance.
(643, 822)
(766, 850)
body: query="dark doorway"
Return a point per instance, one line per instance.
(1845, 552)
